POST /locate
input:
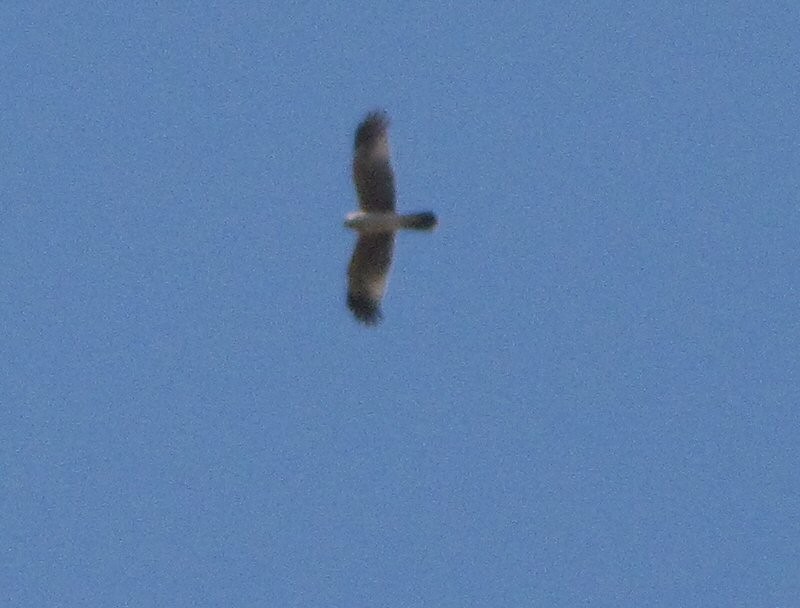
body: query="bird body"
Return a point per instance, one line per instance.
(371, 222)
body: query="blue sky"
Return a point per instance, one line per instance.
(585, 389)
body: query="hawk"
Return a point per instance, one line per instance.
(376, 223)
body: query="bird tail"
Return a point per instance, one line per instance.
(419, 221)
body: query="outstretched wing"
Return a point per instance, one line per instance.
(372, 170)
(367, 275)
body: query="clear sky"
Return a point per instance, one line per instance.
(585, 390)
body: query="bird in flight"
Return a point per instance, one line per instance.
(376, 222)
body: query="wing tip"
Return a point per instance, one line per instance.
(374, 125)
(364, 309)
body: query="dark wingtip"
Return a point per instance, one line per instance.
(371, 127)
(365, 310)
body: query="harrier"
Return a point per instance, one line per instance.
(376, 222)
